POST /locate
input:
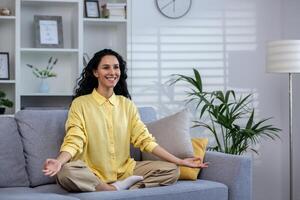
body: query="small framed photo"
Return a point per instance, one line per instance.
(92, 9)
(48, 31)
(4, 66)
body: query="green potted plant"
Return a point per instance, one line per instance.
(44, 74)
(231, 118)
(4, 102)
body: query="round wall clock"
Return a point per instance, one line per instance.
(174, 8)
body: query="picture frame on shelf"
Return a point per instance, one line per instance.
(48, 31)
(4, 66)
(92, 8)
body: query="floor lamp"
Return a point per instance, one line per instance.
(283, 56)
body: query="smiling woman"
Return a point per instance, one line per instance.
(103, 120)
(108, 74)
(100, 64)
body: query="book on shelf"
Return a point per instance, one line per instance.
(116, 10)
(116, 5)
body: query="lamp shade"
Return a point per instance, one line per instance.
(283, 56)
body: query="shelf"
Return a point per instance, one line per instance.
(7, 81)
(7, 17)
(6, 115)
(49, 50)
(104, 20)
(45, 1)
(46, 94)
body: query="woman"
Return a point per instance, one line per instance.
(102, 122)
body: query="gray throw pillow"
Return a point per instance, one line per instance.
(12, 167)
(172, 133)
(42, 134)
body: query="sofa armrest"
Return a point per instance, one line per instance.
(232, 170)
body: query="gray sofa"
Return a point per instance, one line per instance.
(30, 137)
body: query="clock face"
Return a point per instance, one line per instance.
(174, 8)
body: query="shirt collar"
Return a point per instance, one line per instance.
(101, 99)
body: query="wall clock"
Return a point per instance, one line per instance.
(174, 8)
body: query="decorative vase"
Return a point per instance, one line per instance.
(44, 87)
(105, 12)
(4, 11)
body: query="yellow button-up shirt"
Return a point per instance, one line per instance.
(99, 132)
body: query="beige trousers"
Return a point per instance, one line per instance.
(77, 177)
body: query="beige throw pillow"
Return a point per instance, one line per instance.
(172, 133)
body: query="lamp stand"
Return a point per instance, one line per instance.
(283, 57)
(291, 133)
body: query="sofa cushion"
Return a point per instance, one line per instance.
(173, 128)
(24, 193)
(50, 188)
(200, 190)
(147, 115)
(42, 133)
(35, 196)
(12, 167)
(199, 146)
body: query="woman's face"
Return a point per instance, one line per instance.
(108, 72)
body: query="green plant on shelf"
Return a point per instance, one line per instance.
(45, 72)
(4, 102)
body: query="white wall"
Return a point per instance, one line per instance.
(243, 64)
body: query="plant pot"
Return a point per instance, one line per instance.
(44, 87)
(2, 110)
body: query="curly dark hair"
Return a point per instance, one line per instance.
(87, 81)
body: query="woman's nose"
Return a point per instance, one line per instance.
(111, 70)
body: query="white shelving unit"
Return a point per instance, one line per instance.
(80, 35)
(8, 44)
(69, 57)
(48, 50)
(104, 21)
(7, 81)
(7, 17)
(100, 33)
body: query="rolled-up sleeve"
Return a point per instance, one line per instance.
(75, 137)
(140, 136)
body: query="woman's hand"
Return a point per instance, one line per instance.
(194, 162)
(51, 167)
